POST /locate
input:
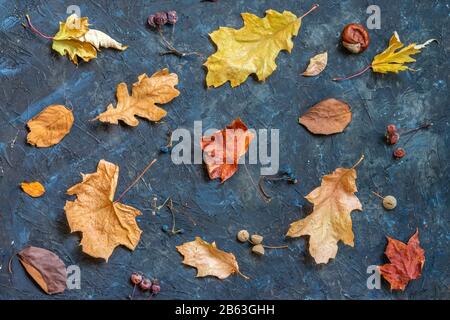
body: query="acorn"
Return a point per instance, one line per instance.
(256, 239)
(243, 236)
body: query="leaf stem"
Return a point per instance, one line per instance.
(378, 195)
(358, 162)
(36, 31)
(243, 275)
(354, 75)
(135, 180)
(268, 247)
(314, 7)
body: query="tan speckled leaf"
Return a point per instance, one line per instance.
(50, 126)
(316, 65)
(104, 224)
(330, 220)
(159, 88)
(208, 260)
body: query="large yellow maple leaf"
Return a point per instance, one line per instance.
(251, 49)
(105, 224)
(330, 220)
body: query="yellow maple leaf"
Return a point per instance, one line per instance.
(159, 88)
(105, 224)
(330, 220)
(251, 49)
(209, 260)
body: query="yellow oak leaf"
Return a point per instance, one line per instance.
(50, 126)
(251, 49)
(104, 224)
(75, 39)
(159, 88)
(33, 189)
(208, 259)
(330, 220)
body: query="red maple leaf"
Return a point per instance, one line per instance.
(407, 262)
(224, 148)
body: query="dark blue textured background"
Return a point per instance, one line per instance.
(32, 76)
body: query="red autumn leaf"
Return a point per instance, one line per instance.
(407, 262)
(224, 148)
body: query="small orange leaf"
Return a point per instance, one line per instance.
(208, 260)
(224, 148)
(407, 262)
(33, 189)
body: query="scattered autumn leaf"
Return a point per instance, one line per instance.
(407, 262)
(33, 189)
(45, 267)
(159, 88)
(75, 39)
(50, 126)
(394, 58)
(330, 220)
(327, 117)
(251, 49)
(105, 224)
(224, 148)
(316, 65)
(208, 260)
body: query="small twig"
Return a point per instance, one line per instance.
(268, 247)
(358, 162)
(354, 75)
(261, 189)
(378, 195)
(136, 180)
(10, 264)
(424, 125)
(314, 7)
(170, 49)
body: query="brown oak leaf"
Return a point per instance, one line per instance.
(105, 224)
(330, 220)
(209, 260)
(224, 148)
(407, 262)
(145, 94)
(327, 117)
(50, 126)
(45, 267)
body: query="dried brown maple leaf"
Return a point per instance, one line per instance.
(330, 220)
(209, 260)
(45, 267)
(33, 189)
(407, 262)
(327, 117)
(224, 148)
(105, 224)
(50, 126)
(159, 88)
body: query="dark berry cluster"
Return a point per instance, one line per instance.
(145, 284)
(392, 136)
(161, 18)
(287, 171)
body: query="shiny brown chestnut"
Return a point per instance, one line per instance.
(355, 38)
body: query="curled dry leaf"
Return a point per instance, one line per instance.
(33, 189)
(105, 224)
(45, 267)
(224, 148)
(50, 126)
(327, 117)
(159, 88)
(208, 260)
(316, 65)
(76, 40)
(330, 220)
(251, 49)
(407, 262)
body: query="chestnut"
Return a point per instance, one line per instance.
(355, 38)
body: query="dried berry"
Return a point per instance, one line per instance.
(136, 278)
(256, 239)
(243, 236)
(165, 228)
(390, 129)
(258, 249)
(151, 21)
(160, 18)
(399, 153)
(355, 38)
(389, 202)
(156, 288)
(393, 138)
(172, 17)
(146, 284)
